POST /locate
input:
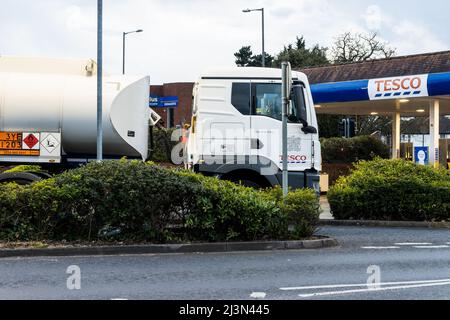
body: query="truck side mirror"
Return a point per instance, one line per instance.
(309, 130)
(298, 97)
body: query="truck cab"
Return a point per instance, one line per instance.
(236, 129)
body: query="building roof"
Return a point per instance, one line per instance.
(426, 63)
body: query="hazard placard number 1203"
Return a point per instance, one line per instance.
(10, 141)
(10, 145)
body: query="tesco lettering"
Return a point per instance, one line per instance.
(295, 158)
(398, 87)
(396, 84)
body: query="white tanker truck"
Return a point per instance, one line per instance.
(48, 114)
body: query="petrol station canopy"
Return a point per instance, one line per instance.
(386, 86)
(408, 86)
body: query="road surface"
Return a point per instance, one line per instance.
(409, 264)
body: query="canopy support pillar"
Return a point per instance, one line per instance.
(434, 133)
(396, 136)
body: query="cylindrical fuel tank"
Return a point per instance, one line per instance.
(51, 95)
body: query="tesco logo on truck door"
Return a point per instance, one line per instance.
(398, 87)
(295, 158)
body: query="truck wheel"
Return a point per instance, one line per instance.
(247, 179)
(21, 178)
(250, 184)
(43, 175)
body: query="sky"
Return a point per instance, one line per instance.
(182, 38)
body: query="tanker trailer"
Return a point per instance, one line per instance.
(48, 113)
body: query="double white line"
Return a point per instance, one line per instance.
(376, 287)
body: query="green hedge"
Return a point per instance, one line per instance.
(342, 150)
(392, 190)
(134, 201)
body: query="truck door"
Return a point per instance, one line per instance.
(266, 125)
(230, 123)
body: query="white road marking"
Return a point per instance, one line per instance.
(380, 248)
(414, 244)
(374, 289)
(258, 295)
(431, 247)
(119, 299)
(363, 285)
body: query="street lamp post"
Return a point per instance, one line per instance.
(99, 80)
(263, 31)
(123, 39)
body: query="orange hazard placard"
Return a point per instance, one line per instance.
(15, 144)
(35, 153)
(10, 136)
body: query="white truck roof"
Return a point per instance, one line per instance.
(247, 73)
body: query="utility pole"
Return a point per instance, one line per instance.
(99, 80)
(286, 85)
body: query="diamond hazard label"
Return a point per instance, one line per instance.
(50, 143)
(30, 141)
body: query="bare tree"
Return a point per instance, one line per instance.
(368, 125)
(358, 47)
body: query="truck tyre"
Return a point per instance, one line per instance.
(250, 184)
(253, 182)
(43, 175)
(21, 178)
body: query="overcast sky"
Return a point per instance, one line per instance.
(183, 37)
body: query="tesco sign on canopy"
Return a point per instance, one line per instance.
(398, 87)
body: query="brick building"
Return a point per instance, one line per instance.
(181, 114)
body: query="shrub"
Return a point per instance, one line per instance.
(134, 201)
(301, 208)
(392, 190)
(11, 223)
(163, 145)
(341, 150)
(226, 211)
